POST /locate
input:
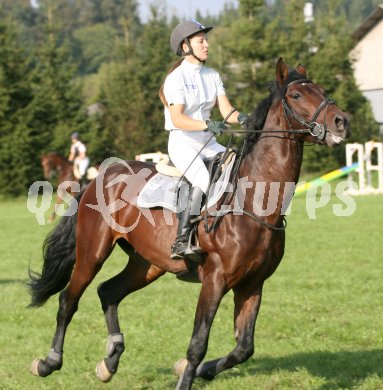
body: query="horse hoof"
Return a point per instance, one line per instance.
(35, 367)
(103, 373)
(179, 367)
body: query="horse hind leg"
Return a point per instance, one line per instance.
(86, 268)
(137, 274)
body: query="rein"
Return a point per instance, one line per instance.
(203, 147)
(292, 131)
(311, 127)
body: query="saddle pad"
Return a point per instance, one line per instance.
(91, 173)
(76, 171)
(161, 190)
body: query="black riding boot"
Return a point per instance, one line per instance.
(83, 182)
(182, 247)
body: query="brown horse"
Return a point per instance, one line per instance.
(54, 163)
(239, 255)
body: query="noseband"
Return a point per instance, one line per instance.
(316, 129)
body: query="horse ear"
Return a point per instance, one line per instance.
(301, 69)
(282, 71)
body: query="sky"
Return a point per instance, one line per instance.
(184, 9)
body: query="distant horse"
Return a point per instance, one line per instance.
(239, 255)
(54, 163)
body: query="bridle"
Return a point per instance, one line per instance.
(310, 127)
(315, 129)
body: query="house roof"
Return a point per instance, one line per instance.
(369, 23)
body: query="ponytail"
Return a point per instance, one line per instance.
(161, 91)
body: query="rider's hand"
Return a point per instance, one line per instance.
(243, 118)
(215, 127)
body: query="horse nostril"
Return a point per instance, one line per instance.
(340, 122)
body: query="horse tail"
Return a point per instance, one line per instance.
(59, 254)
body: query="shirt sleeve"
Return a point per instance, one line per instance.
(174, 89)
(219, 85)
(81, 148)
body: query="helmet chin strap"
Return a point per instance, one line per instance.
(191, 52)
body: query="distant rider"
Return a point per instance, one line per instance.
(79, 157)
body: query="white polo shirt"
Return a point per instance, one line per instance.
(77, 148)
(194, 86)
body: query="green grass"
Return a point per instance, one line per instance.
(320, 324)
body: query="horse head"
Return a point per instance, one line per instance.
(52, 162)
(305, 106)
(48, 166)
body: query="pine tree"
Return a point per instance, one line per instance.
(155, 58)
(240, 56)
(57, 108)
(133, 111)
(331, 67)
(261, 34)
(16, 137)
(94, 46)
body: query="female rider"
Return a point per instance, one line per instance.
(189, 94)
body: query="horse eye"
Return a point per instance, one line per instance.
(296, 96)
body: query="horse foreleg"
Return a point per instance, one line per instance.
(53, 215)
(58, 201)
(137, 274)
(212, 291)
(68, 304)
(247, 303)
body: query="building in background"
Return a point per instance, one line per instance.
(368, 61)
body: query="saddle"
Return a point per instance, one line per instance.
(162, 189)
(166, 167)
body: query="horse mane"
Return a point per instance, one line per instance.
(56, 154)
(259, 115)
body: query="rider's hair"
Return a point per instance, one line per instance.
(161, 91)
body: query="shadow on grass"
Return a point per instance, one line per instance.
(342, 369)
(13, 281)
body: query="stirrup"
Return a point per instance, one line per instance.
(193, 253)
(184, 250)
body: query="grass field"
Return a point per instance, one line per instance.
(320, 324)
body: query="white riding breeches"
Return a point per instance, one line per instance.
(184, 146)
(82, 165)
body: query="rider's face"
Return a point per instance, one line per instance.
(199, 45)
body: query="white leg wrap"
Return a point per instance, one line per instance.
(56, 356)
(113, 340)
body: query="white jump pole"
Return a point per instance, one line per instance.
(351, 149)
(370, 148)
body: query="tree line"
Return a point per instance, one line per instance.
(94, 67)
